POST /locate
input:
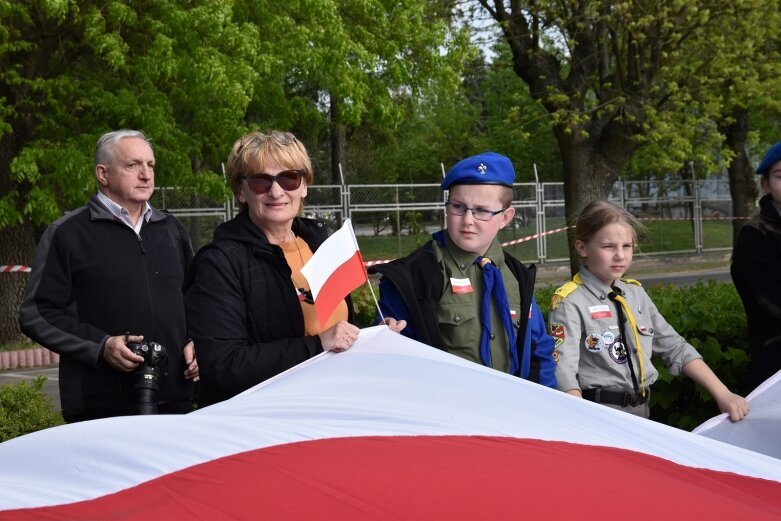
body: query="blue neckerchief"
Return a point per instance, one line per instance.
(493, 285)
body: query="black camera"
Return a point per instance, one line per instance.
(147, 375)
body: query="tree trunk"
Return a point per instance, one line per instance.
(17, 247)
(338, 142)
(589, 175)
(17, 243)
(742, 181)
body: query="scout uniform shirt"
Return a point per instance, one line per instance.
(589, 350)
(458, 311)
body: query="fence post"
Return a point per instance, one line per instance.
(542, 250)
(345, 196)
(697, 211)
(398, 223)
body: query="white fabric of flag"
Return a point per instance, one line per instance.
(389, 429)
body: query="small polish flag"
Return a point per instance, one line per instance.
(334, 271)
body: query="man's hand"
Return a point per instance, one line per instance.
(191, 364)
(119, 356)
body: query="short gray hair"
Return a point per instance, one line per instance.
(104, 150)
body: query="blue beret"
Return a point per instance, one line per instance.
(486, 168)
(772, 157)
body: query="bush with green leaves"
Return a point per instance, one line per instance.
(363, 303)
(710, 317)
(26, 408)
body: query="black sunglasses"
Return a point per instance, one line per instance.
(305, 295)
(287, 180)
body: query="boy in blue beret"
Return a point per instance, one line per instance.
(756, 272)
(461, 292)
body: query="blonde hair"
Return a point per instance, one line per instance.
(598, 214)
(254, 151)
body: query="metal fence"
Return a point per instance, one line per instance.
(390, 220)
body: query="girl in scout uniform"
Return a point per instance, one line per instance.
(606, 327)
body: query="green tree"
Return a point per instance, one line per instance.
(194, 76)
(517, 125)
(70, 71)
(349, 64)
(609, 73)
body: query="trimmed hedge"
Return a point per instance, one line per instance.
(26, 408)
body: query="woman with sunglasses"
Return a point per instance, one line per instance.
(249, 309)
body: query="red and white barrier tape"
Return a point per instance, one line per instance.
(15, 268)
(375, 262)
(689, 218)
(508, 243)
(535, 236)
(11, 268)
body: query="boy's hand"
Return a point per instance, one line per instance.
(395, 325)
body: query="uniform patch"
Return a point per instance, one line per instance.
(602, 311)
(557, 332)
(556, 356)
(461, 285)
(608, 337)
(594, 343)
(618, 352)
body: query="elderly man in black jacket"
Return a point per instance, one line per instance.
(108, 274)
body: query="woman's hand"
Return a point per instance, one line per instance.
(339, 337)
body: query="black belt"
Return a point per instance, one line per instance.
(599, 395)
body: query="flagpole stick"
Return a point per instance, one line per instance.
(377, 304)
(366, 273)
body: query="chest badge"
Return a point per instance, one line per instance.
(594, 343)
(461, 285)
(602, 311)
(618, 352)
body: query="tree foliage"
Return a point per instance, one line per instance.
(194, 76)
(616, 76)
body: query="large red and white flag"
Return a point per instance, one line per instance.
(335, 269)
(760, 431)
(390, 429)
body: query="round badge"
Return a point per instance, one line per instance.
(595, 343)
(618, 352)
(608, 337)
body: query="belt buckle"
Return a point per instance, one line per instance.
(633, 399)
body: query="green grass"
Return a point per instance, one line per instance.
(663, 236)
(17, 346)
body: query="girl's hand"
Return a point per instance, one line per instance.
(736, 406)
